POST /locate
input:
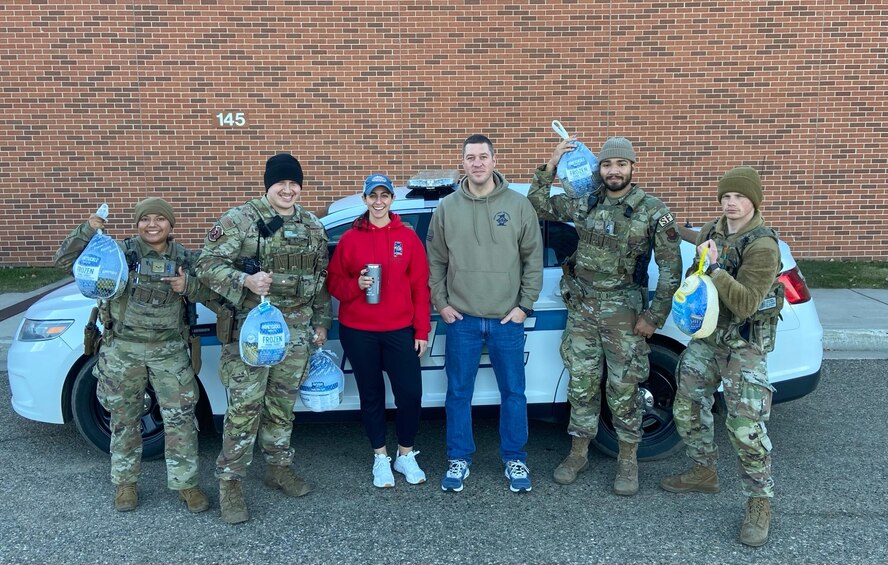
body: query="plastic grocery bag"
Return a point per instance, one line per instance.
(323, 388)
(264, 337)
(578, 169)
(101, 270)
(695, 304)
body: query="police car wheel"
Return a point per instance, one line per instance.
(94, 422)
(657, 393)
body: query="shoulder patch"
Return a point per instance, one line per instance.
(666, 219)
(215, 233)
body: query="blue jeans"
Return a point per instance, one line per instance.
(505, 343)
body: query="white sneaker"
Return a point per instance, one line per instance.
(407, 466)
(382, 471)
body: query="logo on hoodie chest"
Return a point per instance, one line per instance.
(398, 249)
(501, 218)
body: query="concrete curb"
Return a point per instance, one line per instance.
(855, 340)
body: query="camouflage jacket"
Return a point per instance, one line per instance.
(743, 281)
(148, 310)
(613, 235)
(296, 255)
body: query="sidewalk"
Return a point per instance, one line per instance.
(855, 321)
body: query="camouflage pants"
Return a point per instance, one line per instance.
(744, 374)
(599, 331)
(261, 397)
(123, 371)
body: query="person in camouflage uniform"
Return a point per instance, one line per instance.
(744, 262)
(608, 315)
(271, 247)
(146, 340)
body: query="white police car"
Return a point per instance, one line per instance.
(51, 380)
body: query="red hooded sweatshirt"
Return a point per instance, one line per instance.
(404, 282)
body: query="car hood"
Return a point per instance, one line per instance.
(62, 303)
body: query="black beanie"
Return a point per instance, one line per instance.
(282, 167)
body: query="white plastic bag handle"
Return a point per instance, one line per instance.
(559, 129)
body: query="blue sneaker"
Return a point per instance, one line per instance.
(455, 475)
(519, 476)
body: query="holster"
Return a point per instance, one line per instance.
(196, 361)
(227, 324)
(224, 323)
(569, 277)
(92, 337)
(573, 284)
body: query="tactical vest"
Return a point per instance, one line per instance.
(621, 241)
(761, 327)
(291, 246)
(150, 303)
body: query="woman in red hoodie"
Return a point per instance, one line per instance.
(388, 336)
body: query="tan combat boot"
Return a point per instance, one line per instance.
(282, 477)
(231, 502)
(700, 478)
(575, 463)
(195, 499)
(626, 481)
(754, 531)
(126, 497)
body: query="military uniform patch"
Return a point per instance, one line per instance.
(227, 223)
(215, 233)
(666, 219)
(672, 234)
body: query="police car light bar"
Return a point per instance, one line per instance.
(432, 184)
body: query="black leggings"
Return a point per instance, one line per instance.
(369, 354)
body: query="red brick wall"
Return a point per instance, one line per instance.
(103, 101)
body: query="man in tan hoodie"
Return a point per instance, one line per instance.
(485, 273)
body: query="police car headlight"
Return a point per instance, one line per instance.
(42, 330)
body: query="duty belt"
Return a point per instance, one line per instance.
(144, 295)
(584, 276)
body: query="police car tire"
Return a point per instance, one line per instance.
(92, 420)
(664, 440)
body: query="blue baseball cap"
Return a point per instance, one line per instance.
(378, 180)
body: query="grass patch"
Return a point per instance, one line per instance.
(845, 274)
(818, 273)
(26, 279)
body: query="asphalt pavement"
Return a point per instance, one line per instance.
(831, 503)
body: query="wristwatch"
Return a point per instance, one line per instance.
(712, 268)
(527, 311)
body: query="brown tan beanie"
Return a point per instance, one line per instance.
(617, 148)
(155, 206)
(744, 180)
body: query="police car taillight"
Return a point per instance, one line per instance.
(796, 287)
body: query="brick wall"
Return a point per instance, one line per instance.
(107, 101)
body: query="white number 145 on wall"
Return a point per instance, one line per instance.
(231, 119)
